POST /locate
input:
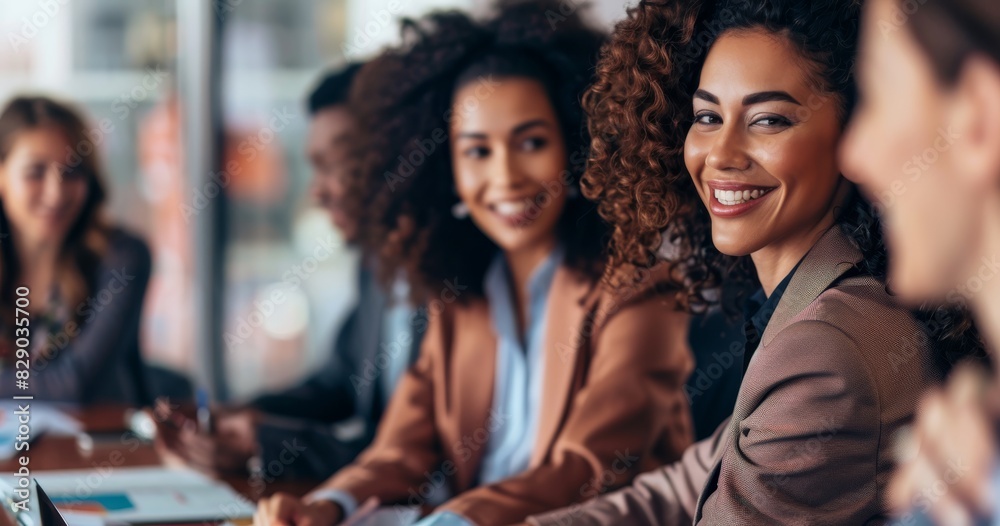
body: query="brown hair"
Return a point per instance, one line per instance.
(86, 240)
(952, 30)
(404, 189)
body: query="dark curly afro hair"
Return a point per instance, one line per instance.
(640, 112)
(403, 188)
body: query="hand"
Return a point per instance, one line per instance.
(951, 456)
(232, 442)
(282, 509)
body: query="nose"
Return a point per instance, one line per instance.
(853, 151)
(728, 151)
(505, 170)
(56, 189)
(316, 188)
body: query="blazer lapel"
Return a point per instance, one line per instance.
(564, 318)
(474, 370)
(829, 259)
(372, 304)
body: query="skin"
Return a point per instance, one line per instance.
(936, 175)
(762, 123)
(328, 154)
(234, 434)
(43, 200)
(509, 148)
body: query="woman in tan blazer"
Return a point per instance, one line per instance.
(747, 103)
(536, 387)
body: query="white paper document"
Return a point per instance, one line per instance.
(144, 495)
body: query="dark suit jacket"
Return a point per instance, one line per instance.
(97, 359)
(328, 419)
(839, 369)
(613, 405)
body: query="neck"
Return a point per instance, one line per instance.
(33, 256)
(522, 264)
(985, 303)
(777, 259)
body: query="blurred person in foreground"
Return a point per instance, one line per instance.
(82, 280)
(925, 144)
(538, 384)
(318, 426)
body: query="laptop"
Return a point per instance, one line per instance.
(47, 511)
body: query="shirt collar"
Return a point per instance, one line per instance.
(497, 288)
(760, 307)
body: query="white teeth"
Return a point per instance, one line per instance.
(510, 208)
(735, 197)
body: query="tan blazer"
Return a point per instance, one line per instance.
(613, 406)
(839, 369)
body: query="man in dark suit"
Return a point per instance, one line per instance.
(313, 429)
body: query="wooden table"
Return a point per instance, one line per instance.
(109, 444)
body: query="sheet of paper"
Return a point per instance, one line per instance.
(389, 516)
(144, 495)
(43, 419)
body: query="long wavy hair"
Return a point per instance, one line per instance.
(403, 188)
(640, 112)
(87, 239)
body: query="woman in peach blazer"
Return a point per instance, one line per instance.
(537, 387)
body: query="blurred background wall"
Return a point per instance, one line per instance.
(117, 60)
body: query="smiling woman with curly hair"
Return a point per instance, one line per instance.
(715, 131)
(536, 387)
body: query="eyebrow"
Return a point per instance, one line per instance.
(520, 128)
(751, 99)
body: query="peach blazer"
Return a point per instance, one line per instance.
(613, 405)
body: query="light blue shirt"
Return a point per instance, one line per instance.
(517, 391)
(396, 333)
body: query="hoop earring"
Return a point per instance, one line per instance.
(460, 210)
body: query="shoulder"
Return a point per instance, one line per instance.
(126, 251)
(857, 329)
(635, 293)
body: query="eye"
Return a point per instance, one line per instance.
(476, 152)
(34, 172)
(533, 143)
(71, 174)
(707, 118)
(772, 121)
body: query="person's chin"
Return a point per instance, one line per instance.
(731, 242)
(914, 282)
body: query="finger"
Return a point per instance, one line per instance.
(958, 444)
(901, 492)
(947, 510)
(260, 515)
(282, 509)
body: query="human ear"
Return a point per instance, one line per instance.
(976, 118)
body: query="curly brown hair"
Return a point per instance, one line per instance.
(403, 190)
(640, 111)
